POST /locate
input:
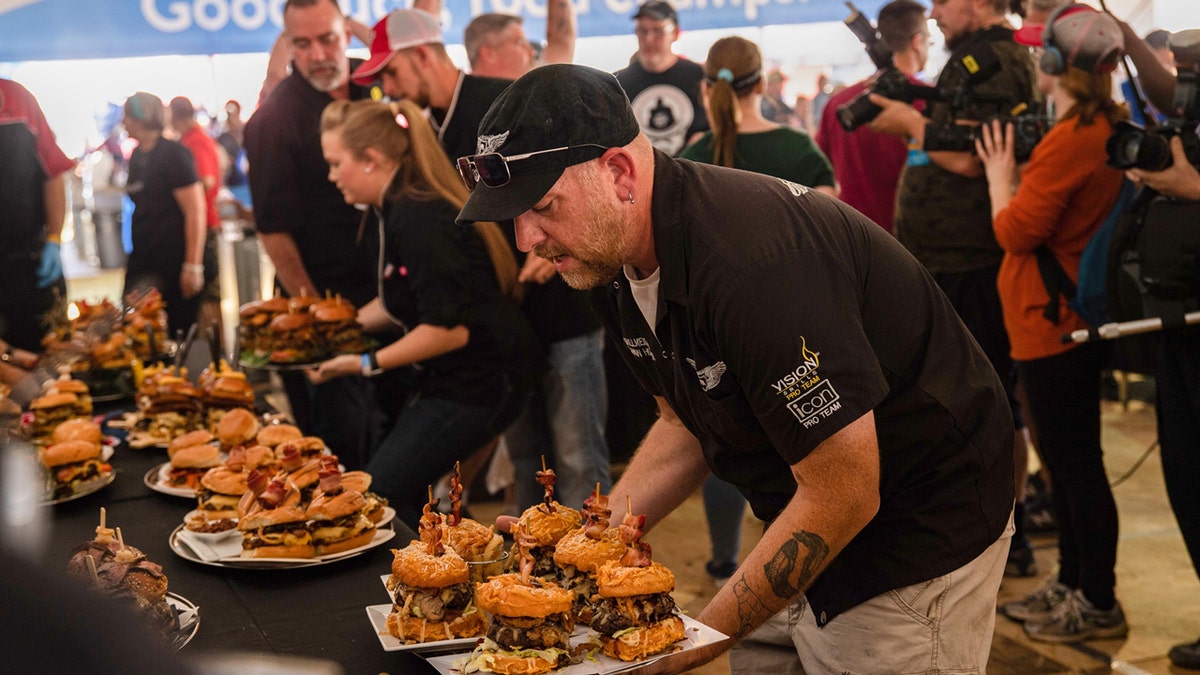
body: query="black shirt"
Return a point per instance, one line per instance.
(554, 309)
(289, 184)
(777, 331)
(667, 104)
(433, 271)
(159, 237)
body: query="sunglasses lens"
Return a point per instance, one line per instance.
(492, 170)
(467, 172)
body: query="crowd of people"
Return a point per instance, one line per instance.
(853, 333)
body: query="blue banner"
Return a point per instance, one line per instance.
(32, 30)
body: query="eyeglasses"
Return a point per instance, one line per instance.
(492, 169)
(654, 32)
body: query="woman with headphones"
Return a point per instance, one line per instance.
(1065, 192)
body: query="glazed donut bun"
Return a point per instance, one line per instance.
(191, 438)
(618, 581)
(274, 434)
(474, 542)
(505, 595)
(587, 554)
(645, 640)
(237, 427)
(414, 567)
(412, 629)
(548, 528)
(196, 457)
(222, 481)
(69, 452)
(78, 429)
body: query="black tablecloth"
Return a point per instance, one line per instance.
(313, 612)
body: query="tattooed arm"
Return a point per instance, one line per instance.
(561, 30)
(837, 494)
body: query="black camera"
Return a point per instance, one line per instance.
(889, 83)
(1134, 147)
(1028, 130)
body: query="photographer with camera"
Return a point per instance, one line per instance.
(866, 163)
(1177, 373)
(943, 215)
(1066, 191)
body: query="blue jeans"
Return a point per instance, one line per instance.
(429, 436)
(565, 422)
(723, 508)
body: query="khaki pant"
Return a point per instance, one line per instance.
(943, 626)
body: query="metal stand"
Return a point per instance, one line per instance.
(1112, 331)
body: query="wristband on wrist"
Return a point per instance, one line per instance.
(370, 365)
(54, 239)
(196, 268)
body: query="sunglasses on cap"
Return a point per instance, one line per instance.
(492, 169)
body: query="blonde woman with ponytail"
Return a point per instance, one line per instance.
(741, 137)
(452, 290)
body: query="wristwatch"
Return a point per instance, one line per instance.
(7, 355)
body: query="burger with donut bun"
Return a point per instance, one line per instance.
(529, 628)
(432, 596)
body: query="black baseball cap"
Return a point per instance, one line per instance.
(657, 10)
(562, 115)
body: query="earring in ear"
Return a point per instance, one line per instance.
(368, 168)
(630, 197)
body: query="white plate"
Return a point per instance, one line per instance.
(189, 620)
(378, 614)
(89, 486)
(229, 551)
(695, 635)
(156, 479)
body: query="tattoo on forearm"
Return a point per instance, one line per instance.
(751, 610)
(795, 564)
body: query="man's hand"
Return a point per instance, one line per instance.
(1180, 180)
(536, 269)
(897, 118)
(191, 280)
(50, 267)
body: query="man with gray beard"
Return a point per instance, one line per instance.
(316, 240)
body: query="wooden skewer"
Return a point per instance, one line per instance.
(457, 472)
(629, 504)
(597, 492)
(91, 564)
(120, 538)
(543, 462)
(103, 514)
(430, 495)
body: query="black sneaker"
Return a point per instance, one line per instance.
(1186, 655)
(721, 572)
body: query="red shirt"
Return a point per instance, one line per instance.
(866, 163)
(204, 153)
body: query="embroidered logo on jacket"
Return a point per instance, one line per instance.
(709, 376)
(809, 397)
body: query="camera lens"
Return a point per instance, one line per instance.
(857, 112)
(1133, 148)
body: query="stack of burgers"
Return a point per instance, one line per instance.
(581, 552)
(124, 573)
(221, 389)
(73, 456)
(431, 593)
(190, 463)
(480, 546)
(61, 400)
(337, 514)
(168, 405)
(272, 523)
(303, 329)
(145, 325)
(546, 523)
(254, 317)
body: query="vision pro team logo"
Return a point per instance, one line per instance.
(815, 404)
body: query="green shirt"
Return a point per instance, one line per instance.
(784, 153)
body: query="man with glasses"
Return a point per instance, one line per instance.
(797, 351)
(866, 163)
(664, 88)
(497, 47)
(315, 240)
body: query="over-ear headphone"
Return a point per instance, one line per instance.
(1053, 61)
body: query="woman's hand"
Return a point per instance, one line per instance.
(995, 148)
(338, 366)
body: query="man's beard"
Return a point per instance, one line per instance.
(954, 41)
(600, 258)
(322, 78)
